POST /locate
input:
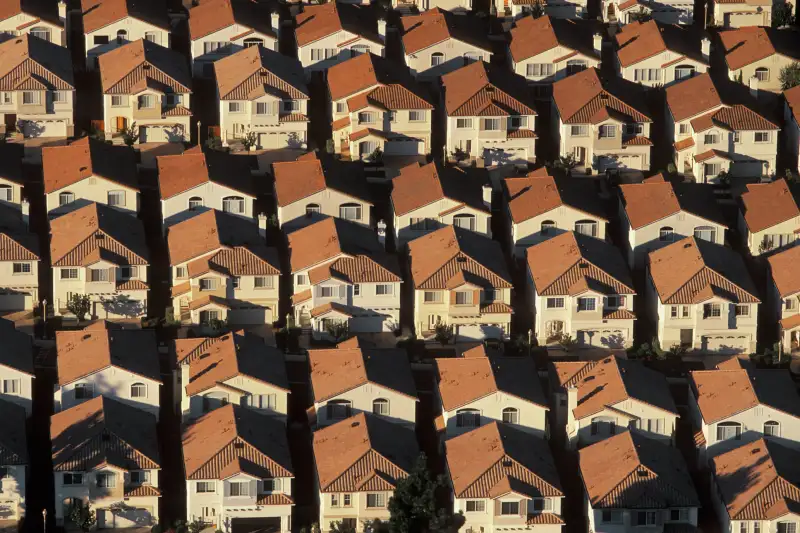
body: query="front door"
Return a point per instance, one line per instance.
(687, 336)
(11, 122)
(122, 123)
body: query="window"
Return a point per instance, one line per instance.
(98, 275)
(491, 124)
(312, 209)
(118, 100)
(301, 279)
(646, 74)
(762, 136)
(262, 282)
(22, 268)
(41, 33)
(711, 138)
(516, 123)
(261, 401)
(683, 128)
(261, 108)
(140, 477)
(341, 107)
(233, 204)
(576, 65)
(116, 198)
(762, 74)
(679, 515)
(615, 301)
(376, 500)
(356, 289)
(12, 386)
(270, 485)
(464, 298)
(380, 407)
(742, 310)
(772, 429)
(705, 233)
(151, 36)
(547, 227)
(673, 312)
(69, 273)
(146, 101)
(100, 39)
(666, 234)
(84, 391)
(711, 170)
(350, 211)
(106, 480)
(138, 390)
(684, 71)
(737, 137)
(72, 478)
(633, 129)
(328, 292)
(334, 500)
(685, 311)
(366, 117)
(239, 488)
(59, 97)
(7, 98)
(586, 227)
(542, 504)
(611, 517)
(756, 527)
(608, 131)
(509, 508)
(128, 272)
(791, 304)
(476, 506)
(646, 518)
(180, 272)
(468, 418)
(787, 527)
(338, 409)
(463, 123)
(331, 52)
(65, 198)
(234, 107)
(208, 284)
(122, 36)
(437, 58)
(416, 116)
(510, 415)
(729, 430)
(195, 202)
(586, 304)
(207, 316)
(464, 221)
(579, 131)
(555, 303)
(384, 289)
(432, 297)
(711, 310)
(539, 70)
(290, 106)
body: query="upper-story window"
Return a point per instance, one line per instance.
(7, 97)
(463, 123)
(376, 500)
(237, 107)
(380, 406)
(586, 227)
(384, 289)
(140, 477)
(116, 198)
(679, 515)
(151, 36)
(312, 209)
(712, 310)
(541, 504)
(515, 123)
(684, 71)
(270, 485)
(253, 41)
(31, 97)
(106, 480)
(358, 49)
(437, 58)
(762, 74)
(195, 202)
(65, 198)
(72, 478)
(578, 131)
(509, 508)
(21, 268)
(472, 57)
(603, 425)
(468, 418)
(511, 415)
(6, 193)
(586, 304)
(772, 428)
(100, 39)
(138, 390)
(290, 106)
(208, 284)
(491, 124)
(146, 101)
(741, 310)
(555, 303)
(122, 36)
(634, 128)
(647, 74)
(608, 131)
(711, 137)
(350, 211)
(611, 516)
(233, 204)
(539, 70)
(666, 234)
(11, 386)
(615, 301)
(548, 227)
(69, 273)
(736, 137)
(40, 32)
(683, 128)
(645, 518)
(463, 297)
(576, 65)
(239, 488)
(339, 409)
(99, 275)
(416, 116)
(119, 100)
(366, 117)
(705, 233)
(464, 221)
(729, 430)
(762, 137)
(787, 527)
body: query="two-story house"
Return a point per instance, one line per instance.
(343, 275)
(603, 123)
(791, 127)
(146, 88)
(315, 187)
(238, 470)
(783, 296)
(376, 103)
(760, 53)
(13, 461)
(19, 263)
(701, 297)
(236, 368)
(732, 405)
(109, 24)
(106, 455)
(44, 20)
(218, 28)
(767, 500)
(262, 95)
(769, 216)
(539, 207)
(547, 49)
(101, 360)
(40, 102)
(478, 389)
(102, 253)
(656, 212)
(594, 400)
(16, 367)
(427, 197)
(742, 13)
(327, 34)
(437, 42)
(88, 170)
(490, 115)
(222, 269)
(632, 483)
(580, 287)
(659, 55)
(501, 479)
(351, 379)
(196, 181)
(461, 281)
(371, 454)
(710, 137)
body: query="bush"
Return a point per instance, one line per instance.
(79, 305)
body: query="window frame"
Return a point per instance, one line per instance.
(137, 385)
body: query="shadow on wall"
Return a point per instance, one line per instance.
(122, 305)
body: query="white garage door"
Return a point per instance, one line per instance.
(479, 332)
(404, 147)
(726, 344)
(271, 141)
(44, 128)
(152, 134)
(608, 338)
(254, 315)
(124, 518)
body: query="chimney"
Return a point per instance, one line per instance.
(487, 196)
(705, 49)
(262, 225)
(572, 430)
(382, 29)
(62, 10)
(382, 233)
(276, 23)
(26, 211)
(598, 44)
(753, 84)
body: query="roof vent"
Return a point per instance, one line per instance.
(87, 336)
(145, 67)
(603, 96)
(461, 259)
(507, 463)
(355, 424)
(641, 472)
(84, 169)
(583, 265)
(99, 236)
(489, 89)
(263, 73)
(238, 445)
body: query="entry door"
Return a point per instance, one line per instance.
(11, 122)
(687, 336)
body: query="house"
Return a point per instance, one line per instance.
(539, 206)
(760, 53)
(351, 379)
(16, 368)
(262, 98)
(146, 90)
(743, 13)
(197, 181)
(631, 482)
(768, 500)
(503, 478)
(372, 455)
(657, 212)
(595, 400)
(622, 12)
(660, 55)
(548, 49)
(100, 252)
(13, 461)
(109, 24)
(791, 126)
(12, 179)
(222, 269)
(44, 20)
(327, 34)
(101, 360)
(19, 263)
(769, 216)
(311, 189)
(490, 115)
(580, 287)
(783, 296)
(427, 197)
(701, 297)
(460, 281)
(711, 138)
(437, 42)
(88, 170)
(218, 28)
(342, 274)
(477, 390)
(106, 454)
(376, 103)
(731, 405)
(236, 368)
(238, 470)
(42, 103)
(604, 124)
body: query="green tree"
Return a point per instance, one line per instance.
(790, 76)
(196, 526)
(537, 10)
(444, 333)
(130, 134)
(250, 140)
(338, 526)
(339, 330)
(79, 305)
(566, 162)
(82, 516)
(782, 15)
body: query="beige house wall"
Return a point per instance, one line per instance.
(657, 62)
(532, 417)
(402, 408)
(8, 28)
(527, 233)
(107, 301)
(237, 389)
(630, 157)
(455, 56)
(180, 126)
(23, 398)
(22, 290)
(466, 319)
(225, 35)
(443, 212)
(113, 382)
(92, 189)
(271, 132)
(293, 216)
(175, 209)
(45, 119)
(773, 64)
(334, 41)
(491, 521)
(358, 510)
(550, 57)
(786, 230)
(741, 15)
(514, 150)
(135, 28)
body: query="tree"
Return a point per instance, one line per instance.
(444, 333)
(339, 330)
(643, 15)
(782, 15)
(338, 526)
(412, 507)
(79, 305)
(213, 142)
(250, 140)
(790, 76)
(82, 516)
(376, 156)
(566, 162)
(537, 9)
(130, 134)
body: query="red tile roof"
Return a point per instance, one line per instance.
(765, 205)
(479, 89)
(256, 71)
(585, 98)
(437, 25)
(785, 270)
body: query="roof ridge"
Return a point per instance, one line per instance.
(566, 271)
(622, 380)
(363, 456)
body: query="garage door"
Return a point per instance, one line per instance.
(744, 169)
(404, 147)
(610, 338)
(152, 134)
(44, 128)
(726, 344)
(253, 315)
(8, 510)
(124, 518)
(15, 302)
(271, 141)
(485, 331)
(251, 525)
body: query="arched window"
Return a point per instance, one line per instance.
(339, 409)
(772, 428)
(66, 198)
(6, 193)
(666, 234)
(253, 41)
(437, 58)
(464, 221)
(586, 227)
(705, 233)
(380, 406)
(762, 74)
(214, 400)
(511, 415)
(350, 211)
(122, 36)
(138, 390)
(729, 430)
(604, 425)
(312, 209)
(548, 227)
(40, 32)
(468, 418)
(233, 204)
(683, 72)
(472, 57)
(576, 65)
(195, 202)
(711, 137)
